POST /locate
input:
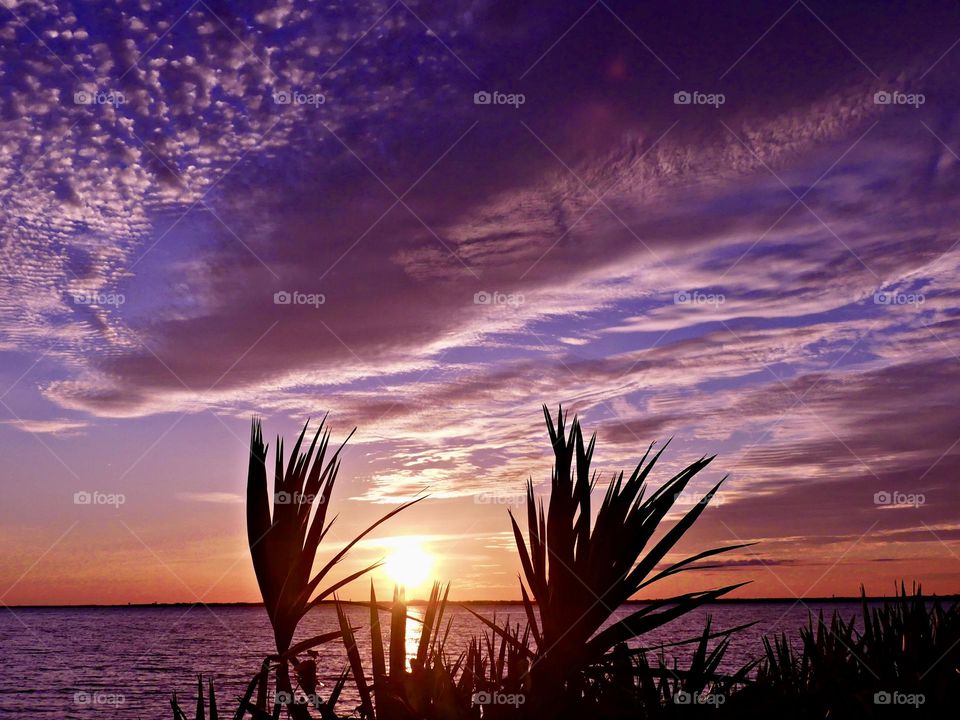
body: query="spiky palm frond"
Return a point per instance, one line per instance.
(284, 542)
(179, 714)
(579, 570)
(428, 686)
(909, 644)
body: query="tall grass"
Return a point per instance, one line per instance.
(433, 685)
(903, 662)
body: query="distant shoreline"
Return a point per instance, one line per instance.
(727, 601)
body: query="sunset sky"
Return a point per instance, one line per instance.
(769, 272)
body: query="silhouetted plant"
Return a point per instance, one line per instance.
(284, 542)
(429, 687)
(179, 714)
(580, 574)
(579, 570)
(671, 691)
(904, 663)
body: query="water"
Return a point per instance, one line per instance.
(65, 663)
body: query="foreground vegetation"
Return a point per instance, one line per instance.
(568, 660)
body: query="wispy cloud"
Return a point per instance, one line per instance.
(57, 426)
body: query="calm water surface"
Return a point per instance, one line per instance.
(63, 663)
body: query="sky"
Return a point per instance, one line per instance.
(730, 224)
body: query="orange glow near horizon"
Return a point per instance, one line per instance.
(408, 563)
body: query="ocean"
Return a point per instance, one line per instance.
(118, 662)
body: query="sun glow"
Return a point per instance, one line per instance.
(407, 563)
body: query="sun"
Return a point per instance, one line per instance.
(407, 563)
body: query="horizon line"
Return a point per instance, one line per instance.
(518, 601)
